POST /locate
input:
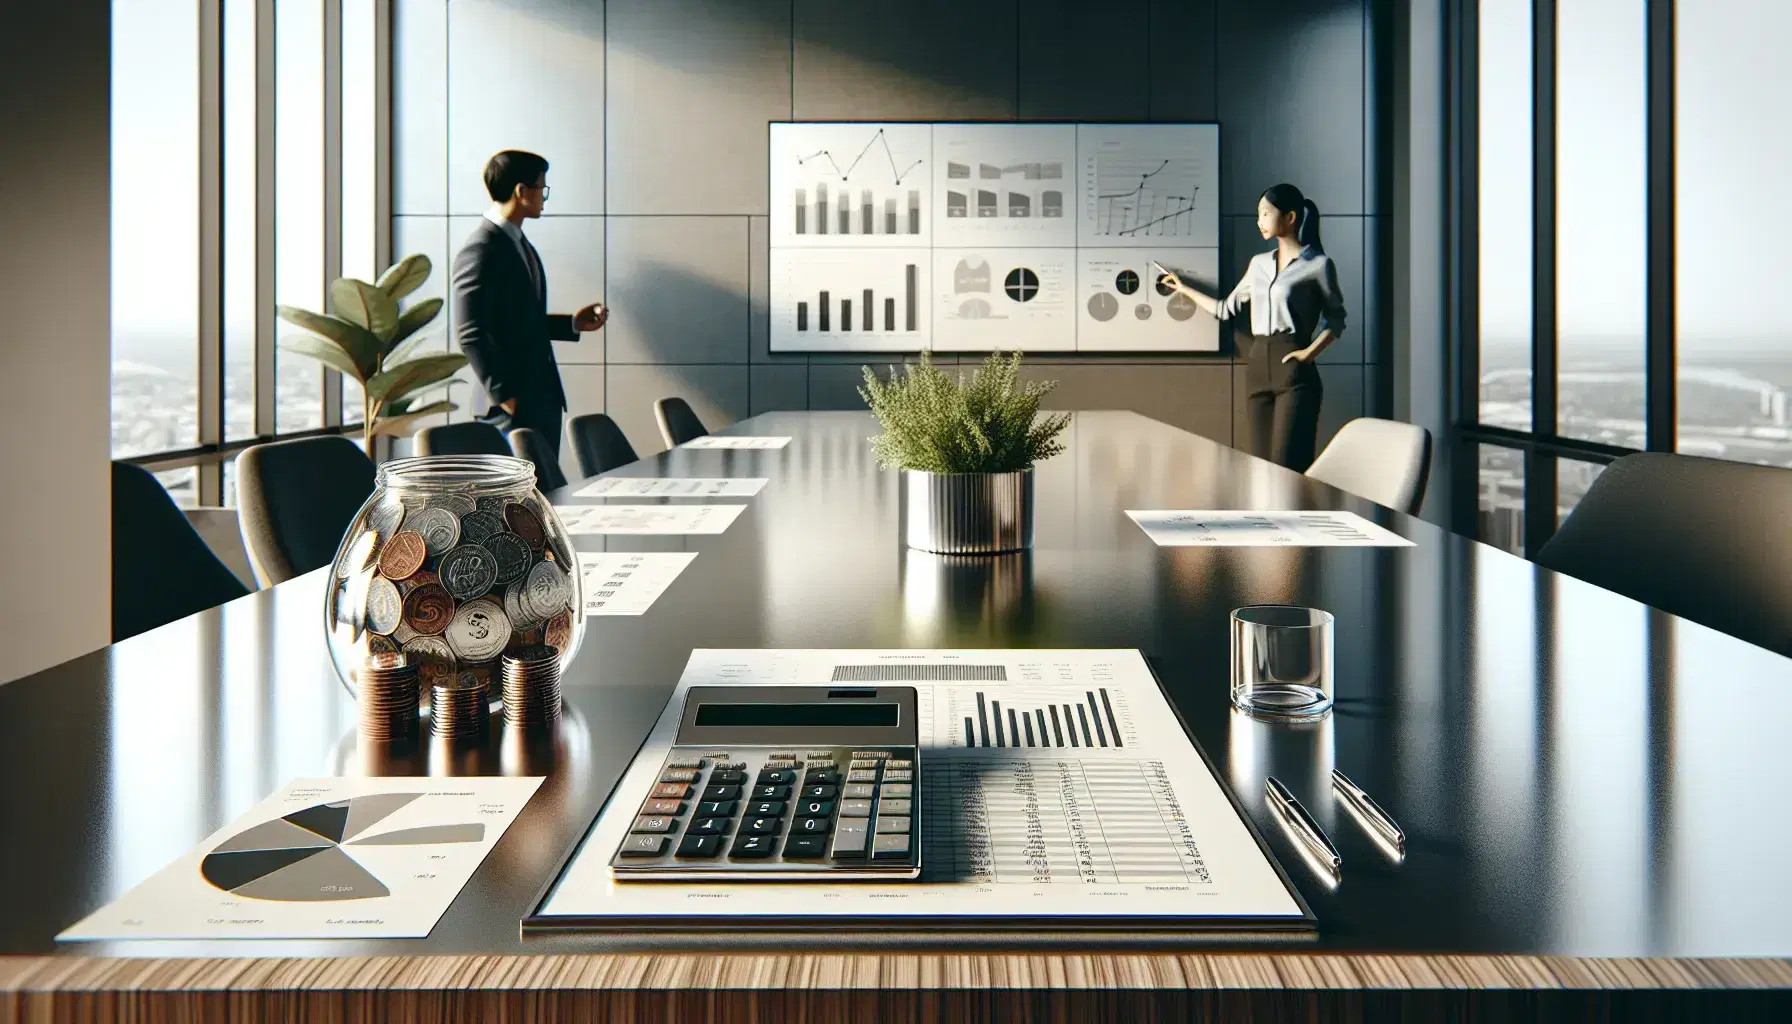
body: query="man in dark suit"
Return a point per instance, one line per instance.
(500, 305)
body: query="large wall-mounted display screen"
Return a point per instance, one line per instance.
(972, 237)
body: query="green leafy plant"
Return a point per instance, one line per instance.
(367, 338)
(985, 423)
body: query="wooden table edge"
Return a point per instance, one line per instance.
(873, 972)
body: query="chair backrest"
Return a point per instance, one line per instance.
(678, 423)
(599, 444)
(162, 569)
(1704, 539)
(295, 500)
(527, 444)
(1385, 461)
(470, 438)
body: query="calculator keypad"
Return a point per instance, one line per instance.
(762, 814)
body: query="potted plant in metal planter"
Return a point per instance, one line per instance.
(966, 448)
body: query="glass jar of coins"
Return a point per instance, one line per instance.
(453, 562)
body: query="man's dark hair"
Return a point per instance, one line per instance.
(513, 167)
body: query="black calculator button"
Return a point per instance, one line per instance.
(699, 846)
(709, 827)
(815, 808)
(721, 793)
(716, 809)
(755, 847)
(643, 846)
(762, 827)
(810, 827)
(805, 847)
(771, 792)
(777, 776)
(822, 776)
(820, 792)
(728, 777)
(766, 808)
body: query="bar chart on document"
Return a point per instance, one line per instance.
(852, 300)
(1087, 718)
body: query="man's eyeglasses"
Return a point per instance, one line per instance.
(544, 193)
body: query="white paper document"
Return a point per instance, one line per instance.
(1054, 784)
(721, 441)
(672, 487)
(1255, 529)
(628, 582)
(358, 858)
(589, 520)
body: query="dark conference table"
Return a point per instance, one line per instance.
(1580, 777)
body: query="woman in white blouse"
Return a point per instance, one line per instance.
(1296, 310)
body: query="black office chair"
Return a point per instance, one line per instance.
(470, 438)
(599, 444)
(678, 423)
(295, 500)
(525, 443)
(162, 569)
(1704, 539)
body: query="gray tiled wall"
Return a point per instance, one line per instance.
(653, 115)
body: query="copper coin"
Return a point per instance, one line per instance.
(429, 609)
(385, 660)
(558, 632)
(403, 556)
(378, 645)
(525, 524)
(417, 579)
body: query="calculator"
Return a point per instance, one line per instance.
(783, 783)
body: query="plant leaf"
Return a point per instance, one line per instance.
(406, 422)
(396, 382)
(408, 348)
(361, 303)
(403, 405)
(413, 320)
(323, 350)
(360, 344)
(405, 276)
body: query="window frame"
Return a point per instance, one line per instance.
(1542, 446)
(213, 451)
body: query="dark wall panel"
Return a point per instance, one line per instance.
(1290, 101)
(1085, 62)
(898, 60)
(1184, 61)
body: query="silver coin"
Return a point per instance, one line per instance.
(459, 504)
(434, 659)
(359, 554)
(351, 603)
(468, 571)
(385, 609)
(404, 634)
(513, 555)
(492, 503)
(439, 527)
(513, 607)
(480, 630)
(385, 517)
(545, 592)
(481, 526)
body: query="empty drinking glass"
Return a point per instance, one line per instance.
(1282, 660)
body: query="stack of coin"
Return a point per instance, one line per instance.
(532, 685)
(458, 707)
(386, 705)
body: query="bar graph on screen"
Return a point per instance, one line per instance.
(851, 185)
(840, 299)
(1054, 716)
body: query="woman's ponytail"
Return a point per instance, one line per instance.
(1288, 199)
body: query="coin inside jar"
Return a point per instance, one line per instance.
(558, 632)
(403, 555)
(433, 657)
(523, 522)
(385, 609)
(359, 556)
(385, 517)
(512, 555)
(545, 593)
(479, 526)
(459, 504)
(479, 631)
(468, 571)
(439, 527)
(429, 609)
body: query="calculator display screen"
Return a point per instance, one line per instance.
(843, 713)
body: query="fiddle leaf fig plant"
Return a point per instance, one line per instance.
(366, 337)
(987, 422)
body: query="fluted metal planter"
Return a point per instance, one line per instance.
(968, 513)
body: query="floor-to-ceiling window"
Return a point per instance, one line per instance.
(237, 126)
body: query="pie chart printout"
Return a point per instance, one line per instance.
(300, 856)
(323, 858)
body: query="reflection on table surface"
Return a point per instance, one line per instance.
(1575, 774)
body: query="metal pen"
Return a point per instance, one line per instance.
(1353, 794)
(1303, 823)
